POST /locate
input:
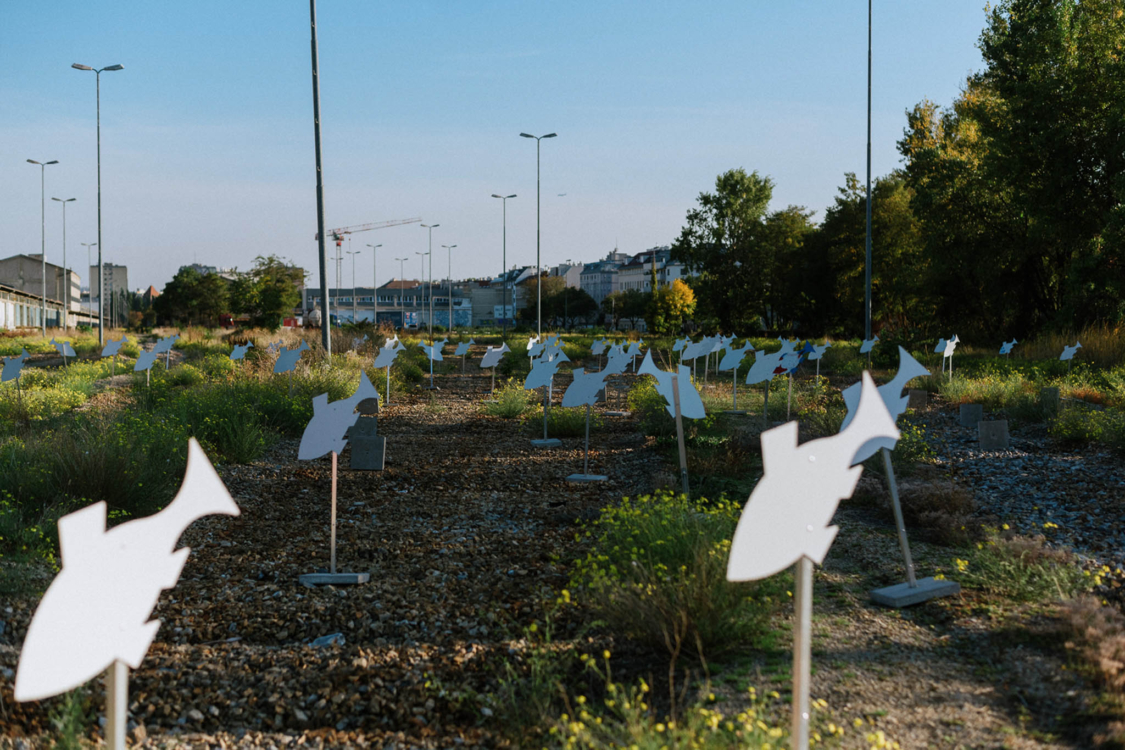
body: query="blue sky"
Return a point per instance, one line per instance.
(207, 147)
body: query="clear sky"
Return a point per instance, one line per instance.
(207, 138)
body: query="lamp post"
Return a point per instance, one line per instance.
(449, 249)
(401, 281)
(430, 248)
(101, 267)
(374, 283)
(66, 281)
(504, 268)
(353, 253)
(422, 278)
(538, 269)
(43, 231)
(89, 282)
(867, 257)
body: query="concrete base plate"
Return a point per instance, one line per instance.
(548, 443)
(576, 478)
(433, 388)
(619, 413)
(901, 595)
(739, 412)
(490, 401)
(334, 579)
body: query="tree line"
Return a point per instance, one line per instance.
(1006, 217)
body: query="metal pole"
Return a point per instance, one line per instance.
(867, 264)
(892, 485)
(116, 705)
(503, 271)
(586, 462)
(333, 532)
(325, 333)
(802, 654)
(538, 264)
(680, 432)
(374, 283)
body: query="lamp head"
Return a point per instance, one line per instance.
(79, 66)
(551, 135)
(526, 135)
(114, 67)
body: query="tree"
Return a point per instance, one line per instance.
(633, 305)
(571, 305)
(193, 298)
(668, 308)
(552, 285)
(612, 307)
(268, 292)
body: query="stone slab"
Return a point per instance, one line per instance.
(578, 478)
(993, 435)
(334, 579)
(1049, 398)
(368, 452)
(736, 412)
(619, 413)
(901, 595)
(548, 443)
(917, 398)
(971, 415)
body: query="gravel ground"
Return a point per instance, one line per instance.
(469, 527)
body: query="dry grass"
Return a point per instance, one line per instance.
(1102, 346)
(1096, 635)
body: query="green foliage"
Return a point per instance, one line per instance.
(531, 685)
(564, 422)
(1021, 568)
(193, 298)
(1077, 425)
(669, 308)
(268, 292)
(656, 571)
(511, 401)
(71, 717)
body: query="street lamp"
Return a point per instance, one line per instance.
(422, 278)
(538, 269)
(353, 253)
(401, 281)
(66, 280)
(43, 230)
(101, 268)
(449, 249)
(430, 228)
(374, 283)
(504, 267)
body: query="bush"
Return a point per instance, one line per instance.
(1022, 568)
(657, 572)
(568, 423)
(511, 401)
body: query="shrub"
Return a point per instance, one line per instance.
(511, 401)
(657, 572)
(1022, 568)
(563, 422)
(1095, 633)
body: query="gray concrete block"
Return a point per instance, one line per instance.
(368, 449)
(902, 595)
(581, 478)
(548, 443)
(1049, 398)
(917, 398)
(334, 579)
(993, 435)
(971, 415)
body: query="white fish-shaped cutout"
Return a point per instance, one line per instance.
(691, 405)
(818, 351)
(240, 350)
(891, 393)
(940, 348)
(13, 366)
(325, 432)
(766, 366)
(64, 348)
(145, 360)
(463, 348)
(697, 349)
(1070, 351)
(1006, 347)
(552, 340)
(113, 348)
(868, 345)
(358, 342)
(733, 357)
(950, 346)
(164, 345)
(433, 351)
(634, 348)
(584, 390)
(557, 355)
(274, 348)
(542, 373)
(287, 358)
(493, 354)
(97, 609)
(788, 514)
(387, 354)
(680, 344)
(598, 348)
(617, 361)
(531, 342)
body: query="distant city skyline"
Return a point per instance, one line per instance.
(207, 153)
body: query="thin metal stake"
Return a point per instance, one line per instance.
(766, 408)
(802, 654)
(892, 485)
(388, 385)
(734, 383)
(586, 463)
(492, 388)
(333, 533)
(680, 432)
(116, 704)
(789, 398)
(546, 405)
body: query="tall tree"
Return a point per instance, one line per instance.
(268, 292)
(669, 307)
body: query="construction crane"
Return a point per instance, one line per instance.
(338, 234)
